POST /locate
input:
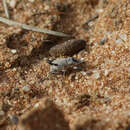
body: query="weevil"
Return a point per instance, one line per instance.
(62, 65)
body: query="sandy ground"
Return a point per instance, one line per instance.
(95, 98)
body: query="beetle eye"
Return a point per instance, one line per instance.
(51, 63)
(74, 60)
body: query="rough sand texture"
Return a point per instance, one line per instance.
(95, 98)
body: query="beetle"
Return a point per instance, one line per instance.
(62, 65)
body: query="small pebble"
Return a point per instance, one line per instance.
(123, 37)
(76, 77)
(75, 67)
(96, 74)
(106, 72)
(12, 3)
(95, 43)
(47, 7)
(88, 73)
(103, 40)
(99, 10)
(83, 73)
(118, 41)
(81, 59)
(13, 51)
(31, 1)
(36, 105)
(26, 88)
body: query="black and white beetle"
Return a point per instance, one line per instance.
(61, 65)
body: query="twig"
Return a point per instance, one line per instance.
(91, 19)
(6, 8)
(36, 29)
